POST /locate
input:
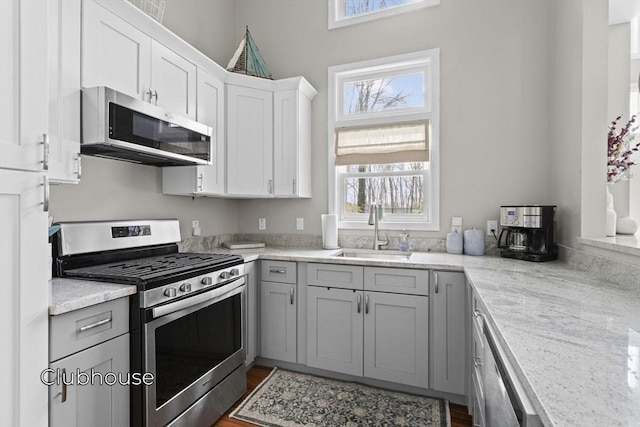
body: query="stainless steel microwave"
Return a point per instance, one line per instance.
(118, 126)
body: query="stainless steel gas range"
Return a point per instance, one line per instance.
(187, 318)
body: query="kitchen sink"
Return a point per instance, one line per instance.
(382, 255)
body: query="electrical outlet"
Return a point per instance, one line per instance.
(195, 227)
(299, 223)
(456, 224)
(492, 225)
(262, 223)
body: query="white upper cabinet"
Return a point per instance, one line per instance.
(249, 141)
(118, 55)
(23, 85)
(203, 180)
(64, 90)
(173, 81)
(268, 137)
(114, 53)
(292, 138)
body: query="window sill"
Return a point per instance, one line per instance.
(620, 243)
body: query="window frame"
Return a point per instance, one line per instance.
(337, 174)
(338, 19)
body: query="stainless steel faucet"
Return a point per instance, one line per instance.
(373, 220)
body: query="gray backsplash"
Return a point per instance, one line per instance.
(605, 268)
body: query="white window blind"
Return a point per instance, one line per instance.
(379, 144)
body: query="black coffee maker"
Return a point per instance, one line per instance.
(528, 232)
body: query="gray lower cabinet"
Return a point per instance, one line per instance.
(449, 351)
(278, 323)
(396, 339)
(99, 403)
(278, 338)
(373, 334)
(89, 369)
(335, 330)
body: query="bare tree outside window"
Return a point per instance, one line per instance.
(398, 193)
(358, 7)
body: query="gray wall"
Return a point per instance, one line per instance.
(495, 88)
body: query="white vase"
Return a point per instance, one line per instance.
(610, 228)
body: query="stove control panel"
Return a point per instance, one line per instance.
(192, 285)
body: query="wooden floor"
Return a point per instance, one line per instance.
(459, 416)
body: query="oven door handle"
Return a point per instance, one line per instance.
(217, 293)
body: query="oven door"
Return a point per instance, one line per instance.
(190, 346)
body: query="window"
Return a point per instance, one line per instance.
(347, 12)
(383, 141)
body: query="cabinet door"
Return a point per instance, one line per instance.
(64, 90)
(173, 81)
(23, 85)
(292, 144)
(114, 53)
(396, 338)
(278, 321)
(252, 312)
(210, 111)
(94, 404)
(285, 143)
(334, 329)
(249, 141)
(24, 304)
(448, 296)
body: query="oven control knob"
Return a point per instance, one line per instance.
(206, 281)
(170, 292)
(185, 287)
(235, 272)
(225, 275)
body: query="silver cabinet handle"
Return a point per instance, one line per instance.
(45, 155)
(291, 295)
(200, 181)
(79, 166)
(477, 313)
(359, 303)
(64, 385)
(155, 95)
(277, 270)
(270, 186)
(150, 93)
(95, 325)
(45, 202)
(366, 304)
(294, 186)
(436, 277)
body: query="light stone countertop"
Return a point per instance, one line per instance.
(573, 339)
(73, 294)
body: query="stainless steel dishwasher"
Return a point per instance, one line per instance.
(506, 404)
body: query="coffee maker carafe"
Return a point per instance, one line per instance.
(528, 232)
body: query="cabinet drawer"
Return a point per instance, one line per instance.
(77, 330)
(397, 280)
(335, 276)
(278, 271)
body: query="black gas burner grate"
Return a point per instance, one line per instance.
(151, 268)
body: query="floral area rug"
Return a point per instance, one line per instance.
(289, 399)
